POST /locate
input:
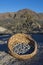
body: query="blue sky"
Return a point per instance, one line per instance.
(15, 5)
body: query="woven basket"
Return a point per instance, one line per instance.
(21, 38)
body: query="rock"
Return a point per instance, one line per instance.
(4, 30)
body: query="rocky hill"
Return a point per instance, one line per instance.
(25, 21)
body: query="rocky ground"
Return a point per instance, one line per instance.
(7, 59)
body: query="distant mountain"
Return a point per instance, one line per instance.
(22, 21)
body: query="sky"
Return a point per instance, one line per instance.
(15, 5)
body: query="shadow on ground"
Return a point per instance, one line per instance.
(4, 47)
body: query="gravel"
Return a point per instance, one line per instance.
(21, 48)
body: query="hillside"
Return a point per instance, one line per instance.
(22, 21)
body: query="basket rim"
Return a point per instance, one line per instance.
(23, 57)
